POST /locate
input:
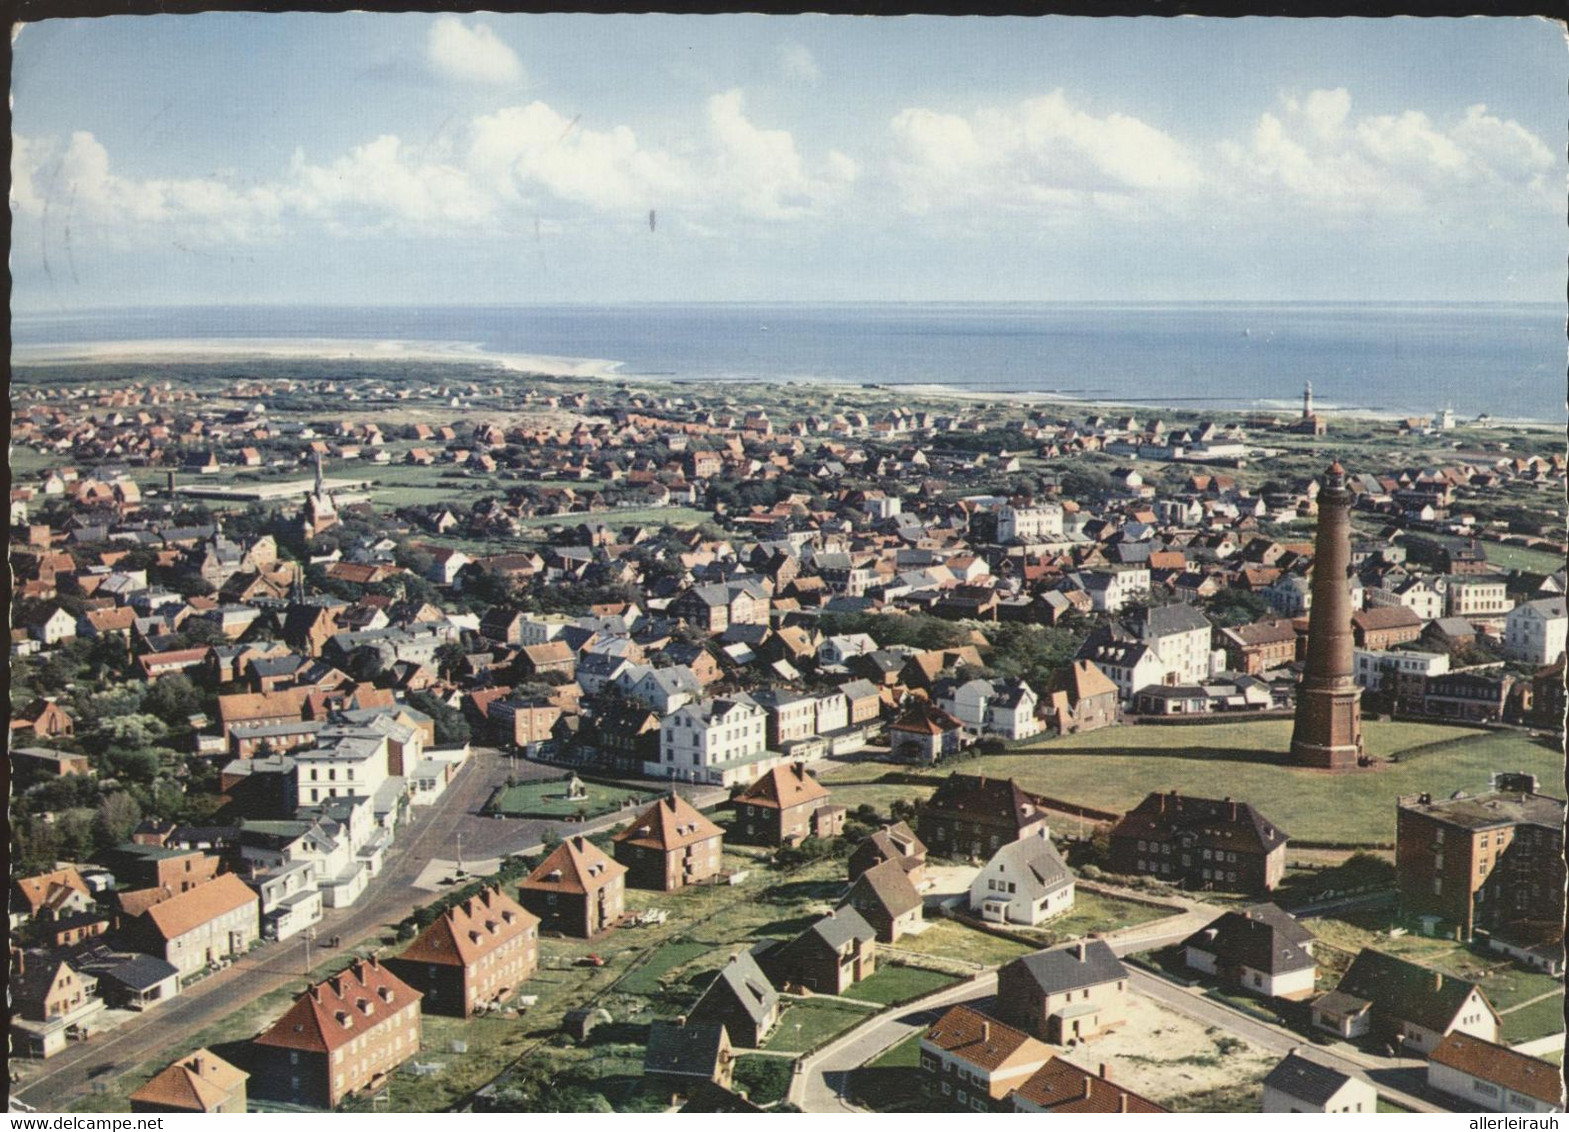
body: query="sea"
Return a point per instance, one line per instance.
(1506, 361)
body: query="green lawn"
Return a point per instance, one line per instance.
(1115, 768)
(646, 979)
(1092, 912)
(890, 1082)
(1535, 1021)
(893, 984)
(905, 1055)
(1504, 558)
(949, 939)
(806, 1025)
(549, 800)
(651, 517)
(764, 1080)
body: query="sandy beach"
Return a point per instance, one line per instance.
(174, 350)
(326, 349)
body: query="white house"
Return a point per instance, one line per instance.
(1373, 665)
(997, 707)
(1262, 950)
(1180, 637)
(1113, 588)
(1535, 630)
(1300, 1085)
(58, 626)
(717, 741)
(1025, 882)
(350, 764)
(1130, 665)
(290, 899)
(1484, 595)
(662, 689)
(1494, 1078)
(833, 712)
(1029, 524)
(837, 650)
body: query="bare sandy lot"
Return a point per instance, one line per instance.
(1161, 1055)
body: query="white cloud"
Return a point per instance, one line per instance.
(474, 54)
(1314, 154)
(473, 182)
(1040, 153)
(522, 151)
(759, 170)
(797, 63)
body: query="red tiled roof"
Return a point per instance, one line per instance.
(337, 1010)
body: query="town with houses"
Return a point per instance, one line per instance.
(406, 741)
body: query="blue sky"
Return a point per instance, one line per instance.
(372, 158)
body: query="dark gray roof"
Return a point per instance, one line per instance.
(139, 972)
(683, 1047)
(1306, 1080)
(1164, 620)
(841, 926)
(743, 980)
(1062, 968)
(1258, 941)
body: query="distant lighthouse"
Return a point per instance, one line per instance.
(1328, 731)
(1307, 401)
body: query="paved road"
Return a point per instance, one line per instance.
(821, 1083)
(53, 1084)
(431, 834)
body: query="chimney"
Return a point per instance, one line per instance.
(1105, 1072)
(1122, 1102)
(1087, 1086)
(1083, 952)
(986, 1031)
(681, 1020)
(1438, 981)
(1232, 811)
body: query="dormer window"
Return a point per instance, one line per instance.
(385, 993)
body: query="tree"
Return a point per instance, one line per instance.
(139, 765)
(449, 659)
(452, 730)
(173, 699)
(1232, 607)
(117, 815)
(133, 732)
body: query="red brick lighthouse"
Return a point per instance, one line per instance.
(1328, 731)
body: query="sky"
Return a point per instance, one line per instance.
(416, 159)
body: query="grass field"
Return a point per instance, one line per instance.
(548, 800)
(806, 1025)
(1535, 1021)
(1115, 768)
(1092, 912)
(646, 979)
(1523, 558)
(950, 940)
(1510, 989)
(889, 1083)
(900, 984)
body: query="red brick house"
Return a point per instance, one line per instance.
(577, 890)
(669, 845)
(476, 954)
(342, 1035)
(784, 807)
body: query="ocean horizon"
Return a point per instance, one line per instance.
(1507, 360)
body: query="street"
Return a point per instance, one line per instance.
(52, 1085)
(821, 1083)
(431, 833)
